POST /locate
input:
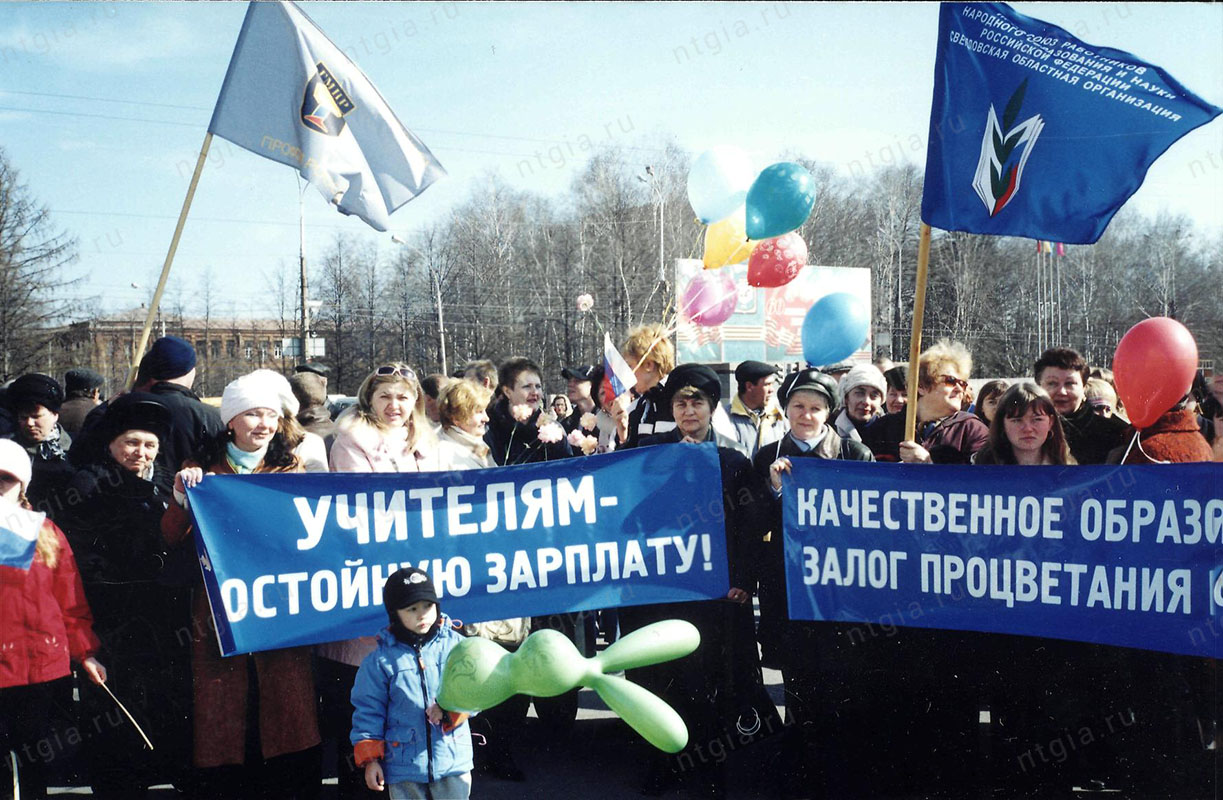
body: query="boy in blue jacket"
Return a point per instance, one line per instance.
(402, 738)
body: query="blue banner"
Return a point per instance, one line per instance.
(1129, 556)
(1035, 133)
(300, 559)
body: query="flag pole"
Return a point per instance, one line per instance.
(165, 268)
(919, 312)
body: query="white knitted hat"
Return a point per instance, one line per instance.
(15, 461)
(262, 388)
(862, 375)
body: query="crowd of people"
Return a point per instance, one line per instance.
(115, 585)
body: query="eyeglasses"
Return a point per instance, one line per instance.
(403, 372)
(951, 380)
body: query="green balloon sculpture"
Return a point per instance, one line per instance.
(480, 673)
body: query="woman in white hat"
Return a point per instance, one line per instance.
(44, 624)
(260, 436)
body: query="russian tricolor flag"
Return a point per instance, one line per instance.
(18, 534)
(618, 376)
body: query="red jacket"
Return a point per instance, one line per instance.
(44, 619)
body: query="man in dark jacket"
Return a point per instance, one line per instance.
(1062, 373)
(83, 392)
(167, 371)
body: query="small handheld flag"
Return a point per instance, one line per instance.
(292, 96)
(19, 529)
(618, 376)
(1035, 133)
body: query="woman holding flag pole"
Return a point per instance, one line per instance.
(44, 623)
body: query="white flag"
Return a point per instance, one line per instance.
(292, 96)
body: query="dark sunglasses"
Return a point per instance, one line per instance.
(403, 372)
(951, 380)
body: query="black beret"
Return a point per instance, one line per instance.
(753, 371)
(582, 373)
(82, 379)
(35, 388)
(699, 377)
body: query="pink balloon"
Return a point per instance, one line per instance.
(776, 262)
(1154, 367)
(710, 298)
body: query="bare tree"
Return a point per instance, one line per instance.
(33, 256)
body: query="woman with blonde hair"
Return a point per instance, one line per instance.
(386, 430)
(463, 408)
(648, 350)
(1026, 430)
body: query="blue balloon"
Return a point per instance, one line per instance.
(834, 328)
(718, 182)
(780, 200)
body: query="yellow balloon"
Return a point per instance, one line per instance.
(726, 241)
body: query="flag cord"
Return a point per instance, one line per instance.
(165, 268)
(919, 312)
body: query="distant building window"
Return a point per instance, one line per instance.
(276, 351)
(250, 352)
(216, 349)
(231, 348)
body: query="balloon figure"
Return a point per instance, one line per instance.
(776, 262)
(834, 328)
(709, 299)
(718, 182)
(1154, 365)
(780, 200)
(480, 673)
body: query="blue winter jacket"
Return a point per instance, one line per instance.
(390, 698)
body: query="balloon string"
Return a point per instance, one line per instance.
(1131, 447)
(1144, 452)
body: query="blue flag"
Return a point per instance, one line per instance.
(19, 529)
(292, 96)
(1035, 133)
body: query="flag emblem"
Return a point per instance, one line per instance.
(325, 103)
(1004, 153)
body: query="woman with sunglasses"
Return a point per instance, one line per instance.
(386, 430)
(945, 434)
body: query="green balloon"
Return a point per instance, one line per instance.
(479, 674)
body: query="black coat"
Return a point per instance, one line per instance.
(776, 636)
(1091, 437)
(114, 526)
(744, 501)
(512, 442)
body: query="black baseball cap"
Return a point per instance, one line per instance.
(583, 373)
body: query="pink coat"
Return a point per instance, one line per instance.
(45, 620)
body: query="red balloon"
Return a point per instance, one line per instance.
(776, 262)
(1154, 367)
